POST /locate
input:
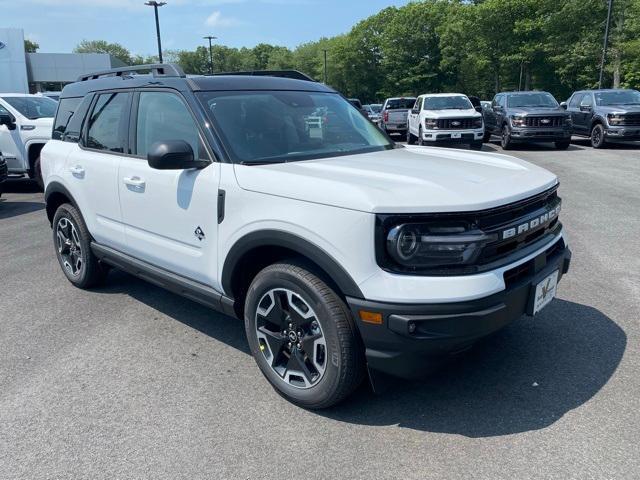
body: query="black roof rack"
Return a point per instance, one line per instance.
(293, 74)
(156, 69)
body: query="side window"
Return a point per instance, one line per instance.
(575, 100)
(496, 100)
(105, 122)
(66, 107)
(164, 116)
(419, 104)
(587, 100)
(502, 101)
(3, 110)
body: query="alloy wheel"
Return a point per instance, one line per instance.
(69, 247)
(291, 338)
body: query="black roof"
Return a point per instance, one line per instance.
(171, 76)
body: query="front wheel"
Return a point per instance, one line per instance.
(302, 336)
(505, 139)
(597, 136)
(420, 138)
(562, 144)
(487, 136)
(37, 173)
(476, 145)
(411, 138)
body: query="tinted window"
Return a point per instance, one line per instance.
(285, 126)
(400, 103)
(33, 107)
(105, 122)
(418, 104)
(65, 110)
(575, 100)
(533, 99)
(164, 116)
(587, 100)
(623, 97)
(457, 102)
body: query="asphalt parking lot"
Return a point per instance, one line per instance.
(130, 381)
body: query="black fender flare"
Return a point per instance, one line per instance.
(277, 238)
(52, 189)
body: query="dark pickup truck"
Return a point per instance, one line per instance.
(519, 117)
(605, 115)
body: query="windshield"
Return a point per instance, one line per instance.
(33, 107)
(375, 108)
(536, 99)
(400, 103)
(623, 97)
(457, 102)
(285, 126)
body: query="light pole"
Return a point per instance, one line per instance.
(606, 41)
(210, 37)
(155, 6)
(325, 66)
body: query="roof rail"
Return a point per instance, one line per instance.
(156, 69)
(293, 74)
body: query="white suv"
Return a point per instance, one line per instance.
(445, 118)
(25, 126)
(340, 250)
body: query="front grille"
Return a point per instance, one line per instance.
(544, 121)
(454, 123)
(630, 120)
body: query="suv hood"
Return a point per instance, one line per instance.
(403, 180)
(466, 112)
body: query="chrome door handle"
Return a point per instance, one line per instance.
(135, 182)
(77, 171)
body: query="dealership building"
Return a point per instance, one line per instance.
(22, 72)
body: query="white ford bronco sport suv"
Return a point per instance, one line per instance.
(342, 252)
(25, 126)
(445, 118)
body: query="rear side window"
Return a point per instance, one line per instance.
(66, 107)
(105, 128)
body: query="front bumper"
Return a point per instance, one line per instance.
(623, 133)
(414, 339)
(538, 134)
(453, 136)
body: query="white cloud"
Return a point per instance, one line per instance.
(216, 19)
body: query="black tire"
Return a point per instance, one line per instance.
(476, 145)
(597, 136)
(562, 144)
(343, 355)
(411, 139)
(420, 137)
(90, 272)
(505, 138)
(487, 136)
(37, 173)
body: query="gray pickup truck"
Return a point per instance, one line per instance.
(395, 112)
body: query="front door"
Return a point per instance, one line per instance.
(169, 216)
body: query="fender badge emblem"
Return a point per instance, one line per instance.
(199, 233)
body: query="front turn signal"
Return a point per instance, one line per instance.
(374, 318)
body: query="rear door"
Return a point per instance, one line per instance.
(170, 216)
(92, 166)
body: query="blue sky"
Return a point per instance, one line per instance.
(59, 25)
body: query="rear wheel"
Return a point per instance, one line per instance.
(302, 336)
(597, 136)
(505, 139)
(37, 173)
(72, 242)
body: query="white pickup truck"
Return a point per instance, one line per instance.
(445, 118)
(26, 123)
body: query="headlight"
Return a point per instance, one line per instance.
(428, 246)
(477, 122)
(518, 121)
(615, 119)
(430, 123)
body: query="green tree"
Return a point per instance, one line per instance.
(30, 46)
(102, 46)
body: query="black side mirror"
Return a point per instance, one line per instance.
(478, 108)
(563, 105)
(173, 155)
(8, 120)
